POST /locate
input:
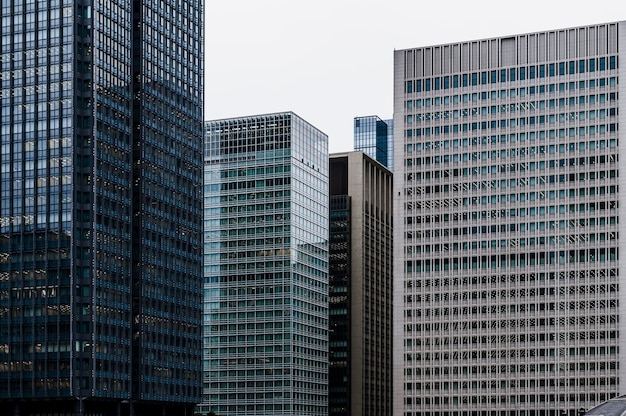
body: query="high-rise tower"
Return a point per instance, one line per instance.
(100, 206)
(508, 224)
(266, 267)
(360, 249)
(375, 137)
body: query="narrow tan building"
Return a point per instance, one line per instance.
(360, 263)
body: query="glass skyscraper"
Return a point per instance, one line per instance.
(266, 267)
(374, 137)
(100, 206)
(508, 274)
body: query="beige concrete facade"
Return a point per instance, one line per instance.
(507, 205)
(367, 186)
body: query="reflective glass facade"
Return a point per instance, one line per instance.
(374, 137)
(100, 206)
(339, 336)
(508, 210)
(266, 267)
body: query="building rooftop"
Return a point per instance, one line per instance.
(613, 407)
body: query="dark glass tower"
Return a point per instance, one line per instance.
(374, 137)
(100, 206)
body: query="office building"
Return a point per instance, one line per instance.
(375, 137)
(266, 267)
(508, 224)
(360, 248)
(100, 207)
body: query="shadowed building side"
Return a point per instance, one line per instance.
(361, 279)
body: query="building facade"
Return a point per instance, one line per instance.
(100, 207)
(507, 204)
(361, 224)
(375, 137)
(266, 267)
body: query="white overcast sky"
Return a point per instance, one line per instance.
(331, 60)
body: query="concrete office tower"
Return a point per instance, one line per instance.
(375, 137)
(507, 207)
(266, 267)
(100, 207)
(360, 378)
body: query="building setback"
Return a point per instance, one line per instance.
(360, 378)
(101, 209)
(507, 207)
(266, 267)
